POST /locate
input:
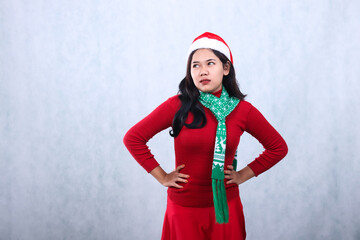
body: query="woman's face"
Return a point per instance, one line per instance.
(207, 70)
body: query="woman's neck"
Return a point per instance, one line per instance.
(217, 93)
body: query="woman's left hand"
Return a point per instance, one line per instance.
(232, 175)
(235, 177)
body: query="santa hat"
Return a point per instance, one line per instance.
(213, 41)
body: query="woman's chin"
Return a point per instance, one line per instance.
(206, 89)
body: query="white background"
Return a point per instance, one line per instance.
(76, 75)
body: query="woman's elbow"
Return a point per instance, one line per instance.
(128, 139)
(284, 149)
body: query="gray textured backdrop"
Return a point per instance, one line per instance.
(75, 75)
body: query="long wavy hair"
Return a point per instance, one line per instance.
(189, 96)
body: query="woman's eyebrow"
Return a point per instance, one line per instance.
(211, 59)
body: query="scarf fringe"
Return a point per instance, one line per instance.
(220, 201)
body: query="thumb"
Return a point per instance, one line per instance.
(180, 167)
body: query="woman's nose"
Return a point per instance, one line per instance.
(203, 71)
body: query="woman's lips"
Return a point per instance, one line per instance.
(204, 81)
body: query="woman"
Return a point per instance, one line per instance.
(207, 118)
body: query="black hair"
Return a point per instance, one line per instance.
(189, 96)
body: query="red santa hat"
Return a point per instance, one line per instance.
(213, 41)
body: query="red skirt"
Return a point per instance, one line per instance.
(190, 223)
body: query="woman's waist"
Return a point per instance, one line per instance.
(198, 193)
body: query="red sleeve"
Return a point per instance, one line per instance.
(275, 146)
(136, 138)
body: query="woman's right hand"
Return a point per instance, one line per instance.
(171, 179)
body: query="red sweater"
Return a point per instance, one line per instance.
(195, 147)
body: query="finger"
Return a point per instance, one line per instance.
(231, 167)
(183, 175)
(177, 185)
(180, 167)
(230, 181)
(181, 180)
(228, 171)
(228, 177)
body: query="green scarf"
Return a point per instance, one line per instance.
(220, 107)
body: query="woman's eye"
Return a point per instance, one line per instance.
(211, 63)
(195, 65)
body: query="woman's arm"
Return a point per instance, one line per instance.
(137, 137)
(274, 145)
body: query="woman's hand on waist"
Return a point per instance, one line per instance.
(170, 179)
(239, 177)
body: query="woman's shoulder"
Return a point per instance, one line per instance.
(172, 102)
(174, 99)
(243, 109)
(245, 105)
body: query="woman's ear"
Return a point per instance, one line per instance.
(226, 68)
